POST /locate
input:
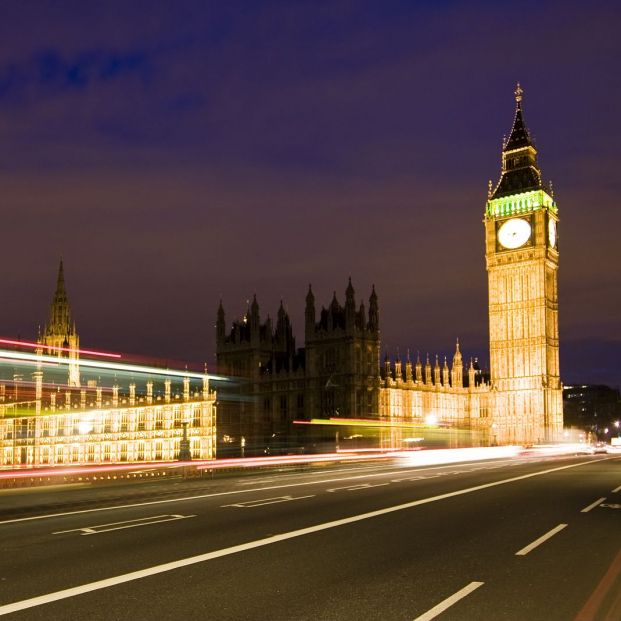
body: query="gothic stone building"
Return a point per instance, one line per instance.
(338, 373)
(55, 409)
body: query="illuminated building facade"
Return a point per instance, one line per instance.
(54, 411)
(338, 373)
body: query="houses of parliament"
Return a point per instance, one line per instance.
(338, 372)
(337, 375)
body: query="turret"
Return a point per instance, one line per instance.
(471, 374)
(387, 369)
(419, 369)
(428, 371)
(457, 371)
(436, 372)
(445, 374)
(408, 368)
(398, 370)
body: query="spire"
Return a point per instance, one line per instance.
(519, 136)
(60, 334)
(520, 170)
(373, 324)
(220, 323)
(349, 294)
(309, 315)
(60, 313)
(60, 282)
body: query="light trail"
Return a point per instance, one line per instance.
(102, 364)
(88, 352)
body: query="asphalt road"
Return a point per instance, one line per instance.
(521, 539)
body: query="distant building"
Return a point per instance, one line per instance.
(52, 412)
(592, 407)
(338, 373)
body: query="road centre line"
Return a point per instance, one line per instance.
(354, 488)
(531, 546)
(95, 530)
(449, 601)
(593, 505)
(616, 489)
(201, 558)
(214, 494)
(267, 501)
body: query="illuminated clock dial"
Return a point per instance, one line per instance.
(514, 233)
(552, 232)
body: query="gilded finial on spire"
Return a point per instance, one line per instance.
(519, 91)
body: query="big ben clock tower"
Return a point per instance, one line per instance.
(521, 241)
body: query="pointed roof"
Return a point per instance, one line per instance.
(350, 289)
(520, 136)
(520, 170)
(61, 293)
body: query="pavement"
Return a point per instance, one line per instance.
(508, 539)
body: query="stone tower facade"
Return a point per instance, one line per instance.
(522, 258)
(342, 357)
(59, 337)
(335, 375)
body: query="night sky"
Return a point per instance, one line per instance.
(176, 153)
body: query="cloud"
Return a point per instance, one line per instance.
(50, 73)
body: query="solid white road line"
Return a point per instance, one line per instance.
(449, 601)
(102, 528)
(593, 505)
(213, 494)
(616, 489)
(201, 558)
(538, 542)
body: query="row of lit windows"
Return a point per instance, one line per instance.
(105, 452)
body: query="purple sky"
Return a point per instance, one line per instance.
(180, 154)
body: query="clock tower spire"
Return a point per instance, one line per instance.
(521, 219)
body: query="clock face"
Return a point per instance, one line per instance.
(552, 232)
(514, 233)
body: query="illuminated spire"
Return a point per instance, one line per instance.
(60, 313)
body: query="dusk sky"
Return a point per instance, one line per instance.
(176, 153)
